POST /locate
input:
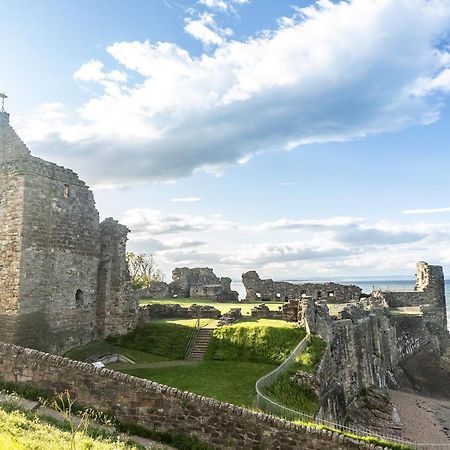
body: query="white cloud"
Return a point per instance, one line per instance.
(185, 200)
(93, 71)
(426, 211)
(319, 77)
(206, 30)
(223, 5)
(146, 223)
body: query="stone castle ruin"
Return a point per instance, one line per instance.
(199, 282)
(268, 290)
(64, 280)
(373, 339)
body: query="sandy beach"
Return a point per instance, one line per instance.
(425, 420)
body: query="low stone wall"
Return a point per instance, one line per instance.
(263, 312)
(163, 408)
(169, 311)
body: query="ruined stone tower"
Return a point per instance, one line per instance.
(63, 275)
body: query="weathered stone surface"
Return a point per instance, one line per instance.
(266, 290)
(51, 249)
(230, 317)
(159, 407)
(169, 311)
(263, 312)
(201, 282)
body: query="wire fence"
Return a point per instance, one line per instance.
(272, 407)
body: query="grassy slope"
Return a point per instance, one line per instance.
(21, 432)
(260, 344)
(239, 355)
(288, 393)
(223, 307)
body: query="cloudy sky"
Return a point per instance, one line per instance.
(302, 139)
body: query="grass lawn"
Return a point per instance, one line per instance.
(250, 322)
(223, 307)
(227, 381)
(20, 431)
(102, 348)
(188, 322)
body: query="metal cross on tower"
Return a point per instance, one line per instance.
(3, 96)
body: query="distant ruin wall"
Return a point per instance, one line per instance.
(199, 282)
(269, 290)
(159, 407)
(169, 311)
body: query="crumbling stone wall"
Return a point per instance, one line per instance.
(117, 310)
(199, 282)
(50, 251)
(163, 408)
(169, 311)
(269, 290)
(429, 294)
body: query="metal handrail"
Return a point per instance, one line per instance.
(192, 339)
(271, 407)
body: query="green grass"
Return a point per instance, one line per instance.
(187, 322)
(261, 344)
(287, 392)
(21, 431)
(227, 381)
(167, 340)
(370, 439)
(223, 307)
(103, 348)
(250, 322)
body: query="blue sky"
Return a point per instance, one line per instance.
(301, 139)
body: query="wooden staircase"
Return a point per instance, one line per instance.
(200, 346)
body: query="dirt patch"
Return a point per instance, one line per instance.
(424, 420)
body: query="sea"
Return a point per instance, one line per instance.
(367, 285)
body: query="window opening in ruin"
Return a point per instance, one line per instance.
(303, 294)
(319, 294)
(330, 294)
(66, 190)
(79, 298)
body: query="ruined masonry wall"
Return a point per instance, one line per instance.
(162, 408)
(266, 290)
(117, 307)
(59, 260)
(11, 205)
(50, 254)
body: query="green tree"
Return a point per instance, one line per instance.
(144, 270)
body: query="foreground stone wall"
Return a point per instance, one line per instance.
(159, 407)
(266, 290)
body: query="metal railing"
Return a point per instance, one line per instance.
(192, 339)
(272, 407)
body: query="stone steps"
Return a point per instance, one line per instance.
(201, 344)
